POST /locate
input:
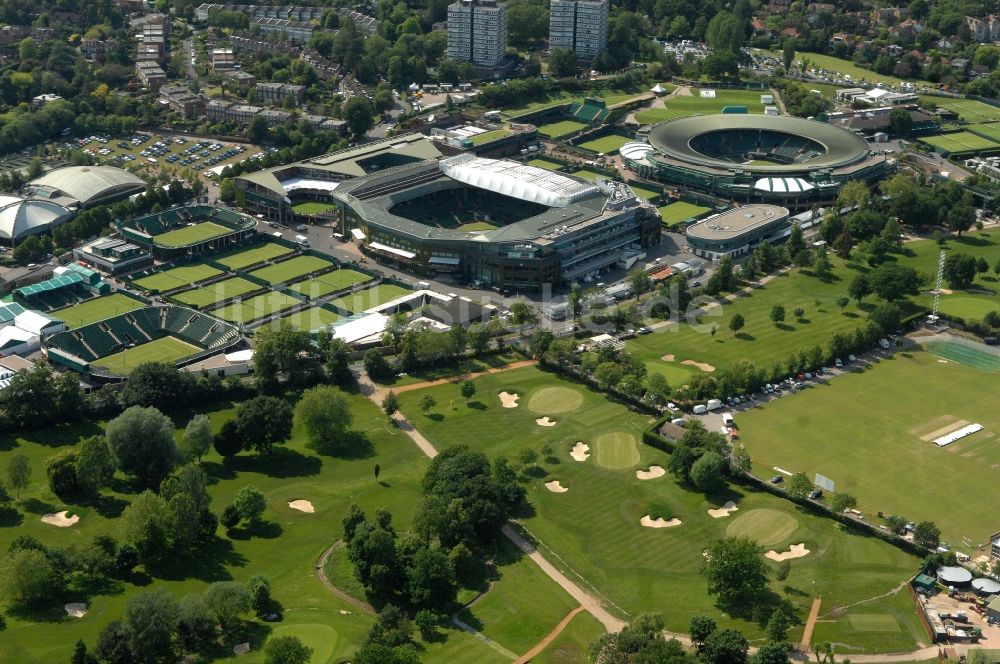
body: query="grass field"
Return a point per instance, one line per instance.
(330, 282)
(369, 297)
(256, 307)
(608, 144)
(166, 349)
(200, 232)
(312, 207)
(291, 269)
(969, 110)
(476, 226)
(479, 139)
(97, 309)
(962, 141)
(310, 319)
(216, 292)
(616, 450)
(680, 212)
(547, 164)
(561, 128)
(594, 527)
(964, 352)
(184, 275)
(899, 401)
(696, 105)
(643, 192)
(990, 131)
(588, 174)
(571, 646)
(819, 61)
(241, 258)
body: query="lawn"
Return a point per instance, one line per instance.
(311, 207)
(97, 309)
(370, 297)
(165, 349)
(571, 647)
(859, 74)
(185, 275)
(256, 307)
(961, 141)
(330, 282)
(488, 136)
(609, 144)
(890, 467)
(200, 232)
(216, 292)
(593, 528)
(680, 212)
(310, 319)
(990, 131)
(969, 110)
(476, 226)
(695, 104)
(243, 258)
(559, 129)
(548, 164)
(291, 269)
(643, 192)
(588, 174)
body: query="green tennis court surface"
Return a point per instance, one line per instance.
(256, 307)
(291, 269)
(967, 355)
(560, 129)
(311, 319)
(369, 297)
(216, 292)
(182, 237)
(961, 141)
(166, 349)
(681, 211)
(97, 309)
(331, 282)
(241, 258)
(184, 275)
(608, 144)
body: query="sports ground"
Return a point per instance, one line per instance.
(890, 465)
(256, 307)
(218, 291)
(488, 136)
(331, 282)
(165, 349)
(310, 319)
(311, 207)
(200, 232)
(370, 297)
(962, 141)
(291, 269)
(594, 527)
(969, 110)
(680, 212)
(97, 309)
(176, 277)
(242, 258)
(559, 129)
(547, 164)
(681, 105)
(607, 144)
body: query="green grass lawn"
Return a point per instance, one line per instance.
(969, 110)
(644, 193)
(819, 61)
(696, 105)
(184, 275)
(256, 307)
(331, 282)
(547, 164)
(681, 211)
(588, 174)
(889, 467)
(242, 258)
(476, 226)
(562, 128)
(312, 207)
(310, 319)
(216, 292)
(479, 139)
(608, 144)
(291, 269)
(571, 647)
(962, 141)
(593, 529)
(187, 235)
(165, 349)
(97, 309)
(369, 297)
(990, 131)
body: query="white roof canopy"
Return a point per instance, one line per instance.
(783, 185)
(403, 253)
(291, 184)
(517, 180)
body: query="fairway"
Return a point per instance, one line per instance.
(768, 527)
(165, 349)
(864, 432)
(965, 353)
(218, 291)
(608, 144)
(476, 226)
(330, 282)
(310, 319)
(291, 269)
(363, 300)
(553, 400)
(256, 307)
(97, 309)
(962, 141)
(176, 277)
(242, 258)
(681, 212)
(616, 450)
(560, 129)
(193, 234)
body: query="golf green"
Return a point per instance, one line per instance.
(616, 450)
(549, 400)
(768, 527)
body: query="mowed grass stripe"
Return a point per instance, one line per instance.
(166, 349)
(178, 276)
(293, 268)
(97, 309)
(216, 292)
(331, 282)
(241, 258)
(256, 307)
(182, 237)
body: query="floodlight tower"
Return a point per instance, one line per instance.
(938, 284)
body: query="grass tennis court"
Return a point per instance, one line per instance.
(680, 212)
(547, 164)
(310, 319)
(476, 226)
(694, 104)
(643, 192)
(965, 354)
(962, 141)
(256, 307)
(969, 110)
(165, 349)
(97, 309)
(312, 207)
(200, 232)
(331, 282)
(561, 128)
(241, 258)
(488, 136)
(291, 269)
(216, 292)
(608, 144)
(185, 275)
(369, 297)
(990, 131)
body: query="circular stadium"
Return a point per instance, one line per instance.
(756, 158)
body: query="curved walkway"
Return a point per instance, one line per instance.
(321, 574)
(537, 649)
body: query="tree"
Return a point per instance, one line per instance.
(796, 243)
(95, 464)
(69, 396)
(195, 624)
(982, 267)
(149, 625)
(798, 486)
(227, 601)
(468, 389)
(845, 242)
(640, 282)
(142, 440)
(736, 323)
(777, 314)
(359, 115)
(777, 626)
(28, 578)
(264, 421)
(788, 53)
(159, 385)
(723, 279)
(60, 470)
(562, 62)
(799, 312)
(18, 473)
(286, 650)
(390, 403)
(959, 270)
(841, 502)
(325, 412)
(895, 524)
(842, 302)
(608, 374)
(30, 398)
(892, 281)
(375, 365)
(771, 653)
(900, 122)
(250, 503)
(426, 403)
(523, 314)
(887, 317)
(736, 571)
(724, 33)
(822, 265)
(283, 351)
(197, 437)
(259, 589)
(430, 580)
(707, 472)
(258, 129)
(701, 627)
(927, 535)
(725, 646)
(961, 218)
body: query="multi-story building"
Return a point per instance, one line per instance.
(984, 30)
(245, 41)
(579, 25)
(275, 117)
(477, 32)
(292, 12)
(228, 111)
(223, 59)
(151, 75)
(276, 93)
(242, 79)
(181, 100)
(93, 49)
(296, 31)
(367, 24)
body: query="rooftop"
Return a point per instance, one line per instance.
(737, 222)
(511, 178)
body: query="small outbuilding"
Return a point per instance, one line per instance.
(959, 577)
(925, 583)
(985, 587)
(993, 608)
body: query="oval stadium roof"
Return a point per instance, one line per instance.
(673, 138)
(518, 180)
(85, 184)
(20, 218)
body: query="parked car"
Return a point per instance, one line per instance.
(816, 494)
(777, 479)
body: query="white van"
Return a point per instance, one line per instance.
(714, 404)
(727, 419)
(302, 239)
(301, 227)
(700, 409)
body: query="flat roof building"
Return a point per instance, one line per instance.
(736, 232)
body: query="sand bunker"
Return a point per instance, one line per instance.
(76, 609)
(651, 474)
(659, 522)
(555, 487)
(509, 400)
(545, 422)
(302, 506)
(707, 368)
(794, 551)
(580, 452)
(60, 519)
(723, 511)
(667, 358)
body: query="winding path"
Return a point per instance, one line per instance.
(537, 649)
(325, 580)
